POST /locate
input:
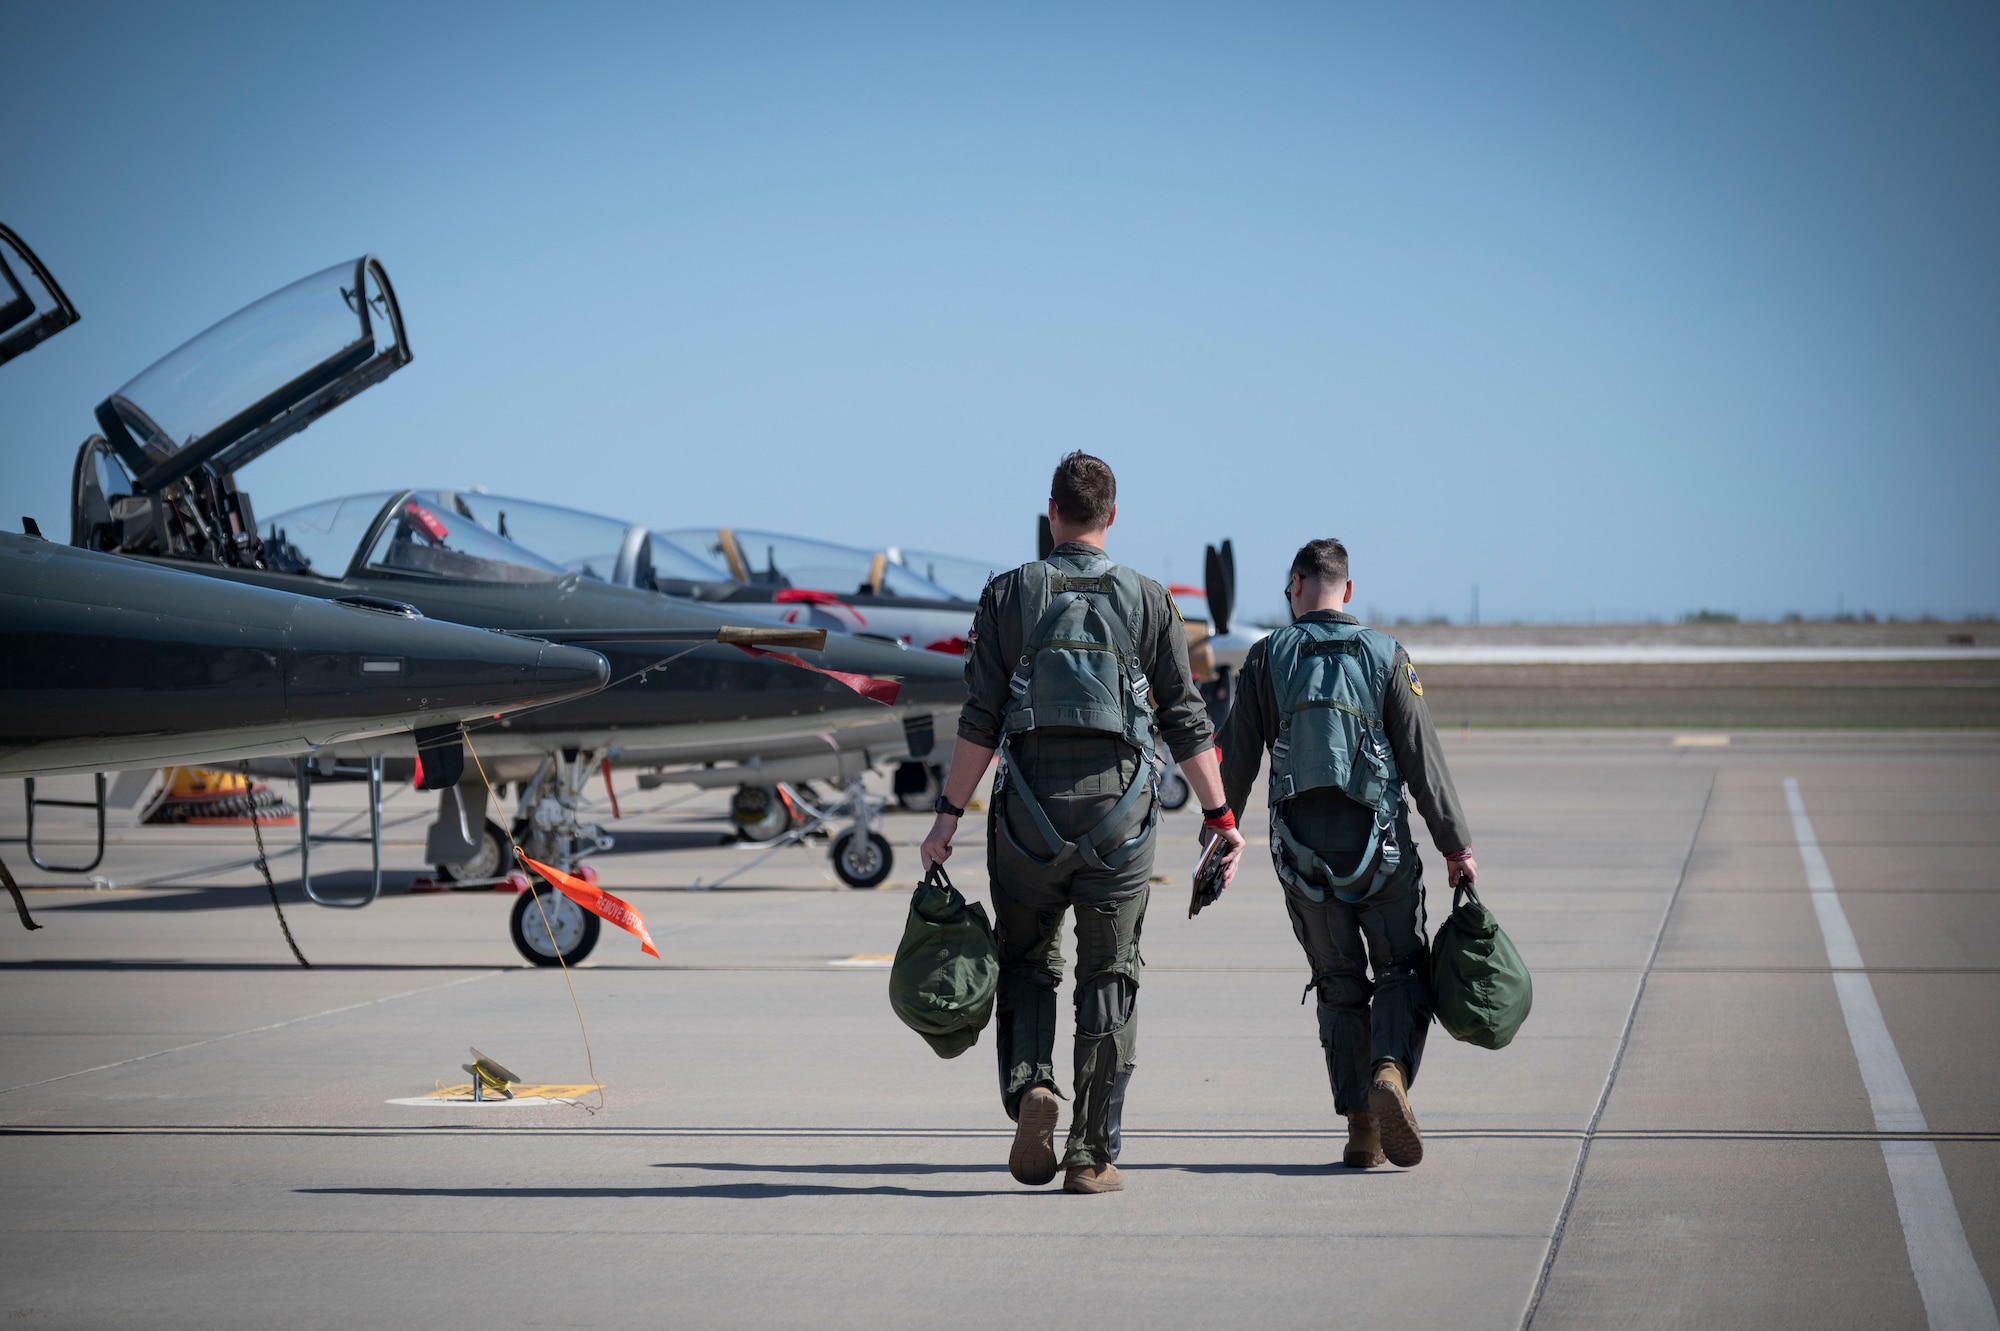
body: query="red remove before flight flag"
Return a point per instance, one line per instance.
(597, 901)
(881, 690)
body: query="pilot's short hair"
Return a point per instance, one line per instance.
(1084, 490)
(1325, 559)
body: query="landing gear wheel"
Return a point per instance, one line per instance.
(760, 813)
(494, 860)
(862, 861)
(574, 927)
(1174, 792)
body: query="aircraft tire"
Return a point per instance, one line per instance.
(862, 863)
(576, 929)
(494, 860)
(759, 813)
(1174, 791)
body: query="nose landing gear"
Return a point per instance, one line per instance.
(862, 856)
(547, 821)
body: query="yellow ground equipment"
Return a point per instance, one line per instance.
(489, 1076)
(204, 795)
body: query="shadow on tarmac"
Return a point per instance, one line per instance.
(900, 1168)
(738, 1191)
(228, 967)
(167, 900)
(644, 843)
(1332, 1170)
(913, 1168)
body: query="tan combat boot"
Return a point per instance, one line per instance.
(1389, 1105)
(1364, 1143)
(1093, 1178)
(1033, 1159)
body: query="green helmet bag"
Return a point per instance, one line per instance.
(1480, 987)
(947, 967)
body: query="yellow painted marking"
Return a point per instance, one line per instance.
(1701, 741)
(865, 959)
(521, 1091)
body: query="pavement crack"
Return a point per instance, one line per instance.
(1617, 1061)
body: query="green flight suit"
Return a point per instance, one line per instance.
(1361, 1019)
(1078, 777)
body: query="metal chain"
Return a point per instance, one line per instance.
(20, 906)
(264, 867)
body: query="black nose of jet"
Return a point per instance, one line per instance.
(569, 672)
(352, 660)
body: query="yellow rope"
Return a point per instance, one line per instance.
(554, 946)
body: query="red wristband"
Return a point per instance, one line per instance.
(1465, 854)
(1222, 822)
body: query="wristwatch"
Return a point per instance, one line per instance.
(944, 805)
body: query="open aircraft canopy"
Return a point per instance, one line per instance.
(767, 559)
(258, 377)
(33, 308)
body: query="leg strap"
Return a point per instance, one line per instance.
(1086, 845)
(1301, 865)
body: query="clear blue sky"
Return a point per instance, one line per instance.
(1621, 310)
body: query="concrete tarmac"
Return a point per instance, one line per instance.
(195, 1132)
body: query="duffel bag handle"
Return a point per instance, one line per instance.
(935, 876)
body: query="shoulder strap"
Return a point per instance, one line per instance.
(1033, 591)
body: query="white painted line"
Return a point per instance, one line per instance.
(252, 1030)
(1954, 1292)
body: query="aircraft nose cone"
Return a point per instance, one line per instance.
(348, 660)
(568, 671)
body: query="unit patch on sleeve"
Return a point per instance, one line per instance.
(1416, 685)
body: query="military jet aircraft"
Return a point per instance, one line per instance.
(118, 663)
(160, 483)
(760, 721)
(628, 555)
(114, 662)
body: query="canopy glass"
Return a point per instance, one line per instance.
(768, 559)
(589, 544)
(961, 577)
(405, 533)
(262, 374)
